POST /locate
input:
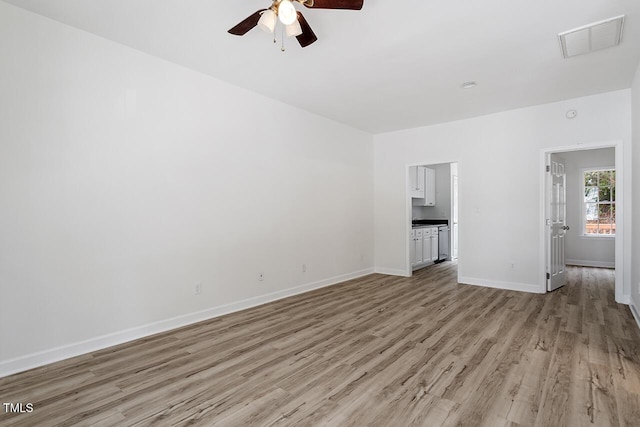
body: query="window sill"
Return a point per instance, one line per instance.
(597, 236)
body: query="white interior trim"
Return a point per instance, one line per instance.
(586, 263)
(619, 237)
(34, 360)
(391, 271)
(409, 218)
(636, 314)
(511, 286)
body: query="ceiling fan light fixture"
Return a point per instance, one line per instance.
(292, 21)
(267, 22)
(287, 12)
(293, 29)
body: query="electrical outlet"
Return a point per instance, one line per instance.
(198, 288)
(261, 276)
(304, 268)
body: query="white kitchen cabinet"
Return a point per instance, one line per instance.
(429, 187)
(419, 252)
(417, 175)
(426, 245)
(427, 195)
(434, 244)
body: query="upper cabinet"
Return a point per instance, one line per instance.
(423, 185)
(417, 175)
(430, 187)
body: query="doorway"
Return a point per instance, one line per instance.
(432, 214)
(582, 211)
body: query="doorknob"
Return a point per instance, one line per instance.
(565, 227)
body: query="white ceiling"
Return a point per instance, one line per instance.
(392, 65)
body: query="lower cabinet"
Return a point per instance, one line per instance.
(424, 246)
(434, 245)
(412, 247)
(417, 252)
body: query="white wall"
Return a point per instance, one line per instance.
(125, 179)
(582, 250)
(442, 208)
(635, 282)
(499, 183)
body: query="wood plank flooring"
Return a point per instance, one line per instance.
(379, 350)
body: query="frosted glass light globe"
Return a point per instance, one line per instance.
(267, 21)
(287, 12)
(293, 29)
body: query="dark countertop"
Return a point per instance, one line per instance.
(426, 222)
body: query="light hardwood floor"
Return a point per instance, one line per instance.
(378, 350)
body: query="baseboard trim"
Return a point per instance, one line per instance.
(636, 314)
(510, 286)
(41, 358)
(391, 271)
(585, 263)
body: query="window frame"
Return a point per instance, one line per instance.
(583, 204)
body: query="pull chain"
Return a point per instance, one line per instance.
(282, 36)
(275, 23)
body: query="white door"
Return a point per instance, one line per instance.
(557, 223)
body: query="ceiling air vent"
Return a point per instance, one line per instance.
(592, 37)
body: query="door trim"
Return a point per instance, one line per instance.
(620, 255)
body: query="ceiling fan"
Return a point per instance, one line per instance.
(293, 21)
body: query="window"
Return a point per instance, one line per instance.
(599, 202)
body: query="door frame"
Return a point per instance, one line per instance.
(617, 145)
(408, 212)
(454, 201)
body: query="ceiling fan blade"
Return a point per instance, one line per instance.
(334, 4)
(308, 36)
(244, 26)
